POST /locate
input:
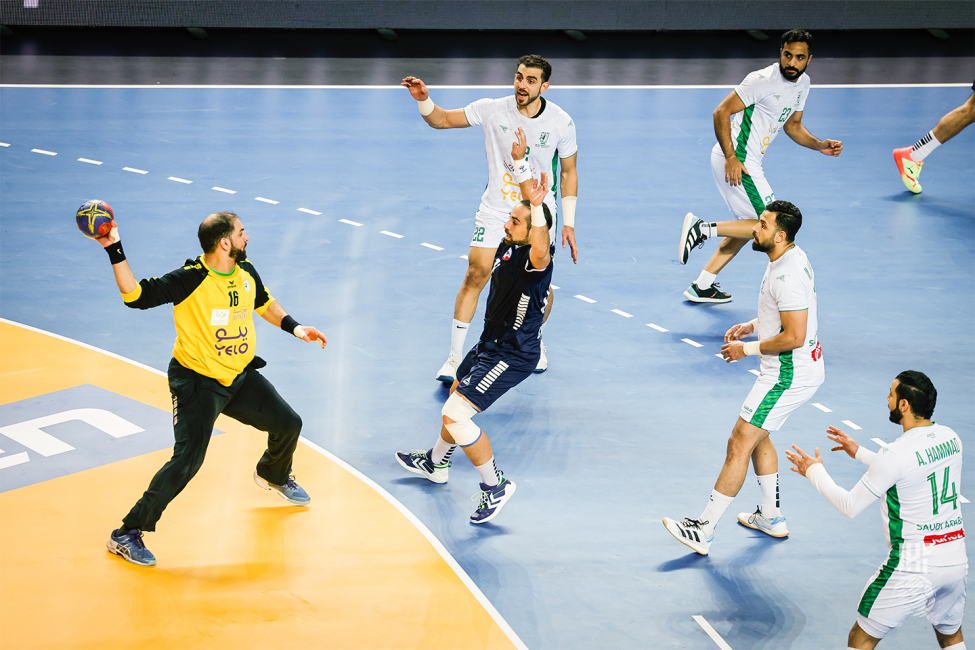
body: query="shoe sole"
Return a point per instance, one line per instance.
(694, 298)
(682, 540)
(116, 549)
(539, 371)
(688, 221)
(907, 180)
(507, 495)
(414, 470)
(261, 483)
(744, 522)
(446, 379)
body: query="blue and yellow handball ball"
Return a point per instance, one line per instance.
(95, 218)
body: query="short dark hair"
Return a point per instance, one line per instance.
(919, 392)
(788, 219)
(535, 61)
(797, 36)
(214, 228)
(548, 213)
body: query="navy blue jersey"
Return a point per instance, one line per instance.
(516, 303)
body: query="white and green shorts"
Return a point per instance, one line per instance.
(770, 403)
(891, 596)
(489, 228)
(748, 200)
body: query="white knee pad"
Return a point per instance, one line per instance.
(463, 430)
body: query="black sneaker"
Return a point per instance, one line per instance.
(712, 294)
(690, 237)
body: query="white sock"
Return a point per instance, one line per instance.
(705, 280)
(488, 472)
(442, 451)
(709, 228)
(923, 147)
(957, 646)
(769, 485)
(458, 334)
(715, 510)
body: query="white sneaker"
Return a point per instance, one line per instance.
(542, 362)
(689, 532)
(448, 372)
(758, 521)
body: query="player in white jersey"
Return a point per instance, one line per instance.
(551, 138)
(918, 476)
(791, 372)
(768, 101)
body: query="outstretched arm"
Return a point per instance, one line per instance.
(795, 129)
(850, 504)
(277, 316)
(435, 116)
(541, 242)
(123, 274)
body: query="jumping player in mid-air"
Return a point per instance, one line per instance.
(506, 354)
(551, 138)
(767, 101)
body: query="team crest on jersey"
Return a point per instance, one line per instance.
(543, 139)
(507, 255)
(247, 286)
(504, 129)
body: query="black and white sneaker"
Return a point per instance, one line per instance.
(690, 532)
(418, 462)
(690, 237)
(711, 294)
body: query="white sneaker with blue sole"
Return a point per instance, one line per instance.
(690, 533)
(757, 521)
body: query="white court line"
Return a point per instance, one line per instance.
(822, 408)
(694, 343)
(224, 190)
(584, 299)
(263, 200)
(46, 153)
(436, 248)
(879, 442)
(852, 425)
(720, 356)
(134, 170)
(755, 372)
(711, 632)
(306, 210)
(15, 459)
(4, 144)
(463, 257)
(554, 287)
(438, 87)
(963, 499)
(621, 313)
(391, 234)
(90, 161)
(179, 180)
(657, 327)
(351, 223)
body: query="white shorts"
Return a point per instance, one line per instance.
(489, 229)
(769, 403)
(889, 601)
(748, 200)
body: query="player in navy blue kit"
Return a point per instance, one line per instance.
(507, 351)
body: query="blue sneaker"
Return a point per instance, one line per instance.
(418, 462)
(290, 491)
(492, 499)
(757, 521)
(130, 547)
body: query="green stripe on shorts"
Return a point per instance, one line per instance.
(753, 196)
(895, 528)
(786, 372)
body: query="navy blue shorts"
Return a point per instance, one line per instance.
(487, 373)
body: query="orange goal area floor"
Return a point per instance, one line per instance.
(237, 567)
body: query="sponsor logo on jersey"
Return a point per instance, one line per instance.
(777, 96)
(782, 277)
(247, 286)
(466, 381)
(934, 540)
(497, 263)
(504, 129)
(219, 317)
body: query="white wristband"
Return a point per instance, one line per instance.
(753, 348)
(569, 211)
(754, 323)
(538, 217)
(299, 332)
(522, 171)
(426, 106)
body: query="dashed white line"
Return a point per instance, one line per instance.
(852, 425)
(90, 161)
(224, 190)
(720, 356)
(879, 442)
(134, 170)
(436, 248)
(692, 342)
(963, 499)
(351, 223)
(306, 210)
(621, 313)
(584, 299)
(554, 287)
(179, 180)
(822, 408)
(711, 632)
(263, 200)
(464, 257)
(657, 327)
(46, 153)
(391, 234)
(754, 372)
(4, 144)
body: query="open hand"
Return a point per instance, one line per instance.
(844, 442)
(416, 87)
(802, 460)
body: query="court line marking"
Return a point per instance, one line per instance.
(14, 459)
(657, 327)
(721, 356)
(436, 248)
(391, 234)
(224, 190)
(584, 299)
(306, 210)
(853, 426)
(134, 170)
(437, 545)
(90, 161)
(621, 313)
(693, 342)
(551, 285)
(263, 200)
(351, 223)
(711, 632)
(822, 408)
(45, 152)
(755, 372)
(461, 87)
(179, 180)
(4, 144)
